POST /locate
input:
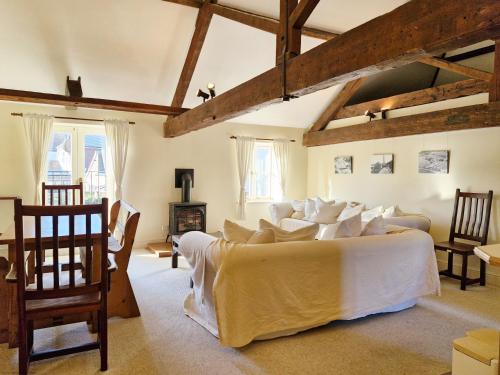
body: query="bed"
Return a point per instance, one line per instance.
(247, 292)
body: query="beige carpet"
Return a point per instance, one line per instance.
(165, 341)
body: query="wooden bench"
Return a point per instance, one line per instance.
(124, 220)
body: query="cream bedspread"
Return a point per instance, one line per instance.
(246, 292)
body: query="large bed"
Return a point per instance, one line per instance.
(247, 292)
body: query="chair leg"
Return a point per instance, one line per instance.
(103, 339)
(482, 275)
(450, 263)
(30, 336)
(463, 280)
(23, 351)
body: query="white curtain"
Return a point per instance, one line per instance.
(281, 154)
(38, 130)
(117, 132)
(244, 153)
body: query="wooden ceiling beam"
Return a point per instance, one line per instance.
(495, 82)
(456, 68)
(287, 39)
(430, 95)
(337, 103)
(471, 117)
(258, 21)
(189, 3)
(247, 18)
(199, 35)
(302, 12)
(112, 105)
(429, 26)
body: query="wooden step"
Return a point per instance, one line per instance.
(160, 249)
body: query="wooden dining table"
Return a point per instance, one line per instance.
(9, 320)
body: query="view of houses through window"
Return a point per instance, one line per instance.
(79, 152)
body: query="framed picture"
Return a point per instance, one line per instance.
(343, 165)
(382, 164)
(434, 162)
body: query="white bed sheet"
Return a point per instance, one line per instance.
(247, 292)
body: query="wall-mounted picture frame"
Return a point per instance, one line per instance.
(434, 162)
(382, 164)
(343, 165)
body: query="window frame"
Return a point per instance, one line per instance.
(78, 133)
(252, 184)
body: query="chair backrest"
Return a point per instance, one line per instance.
(123, 223)
(54, 228)
(59, 195)
(471, 216)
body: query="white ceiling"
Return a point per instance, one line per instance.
(134, 49)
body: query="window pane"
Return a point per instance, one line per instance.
(262, 167)
(94, 179)
(59, 160)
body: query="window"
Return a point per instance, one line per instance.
(263, 184)
(79, 152)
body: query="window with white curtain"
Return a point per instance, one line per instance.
(263, 185)
(79, 152)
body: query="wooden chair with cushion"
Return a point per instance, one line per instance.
(59, 295)
(124, 220)
(470, 222)
(62, 195)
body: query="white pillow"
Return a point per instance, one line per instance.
(327, 213)
(298, 206)
(280, 211)
(350, 211)
(393, 211)
(375, 226)
(280, 235)
(350, 227)
(236, 233)
(299, 215)
(370, 214)
(309, 208)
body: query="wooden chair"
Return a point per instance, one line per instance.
(473, 225)
(124, 220)
(59, 195)
(59, 297)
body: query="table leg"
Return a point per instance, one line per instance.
(13, 318)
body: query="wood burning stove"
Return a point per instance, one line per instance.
(186, 216)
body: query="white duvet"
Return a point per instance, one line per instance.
(246, 292)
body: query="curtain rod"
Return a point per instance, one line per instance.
(69, 118)
(260, 139)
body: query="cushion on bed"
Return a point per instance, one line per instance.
(375, 226)
(350, 227)
(327, 213)
(350, 211)
(236, 233)
(371, 213)
(298, 206)
(307, 233)
(300, 215)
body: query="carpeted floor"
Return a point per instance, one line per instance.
(165, 341)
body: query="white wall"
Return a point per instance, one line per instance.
(149, 180)
(474, 166)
